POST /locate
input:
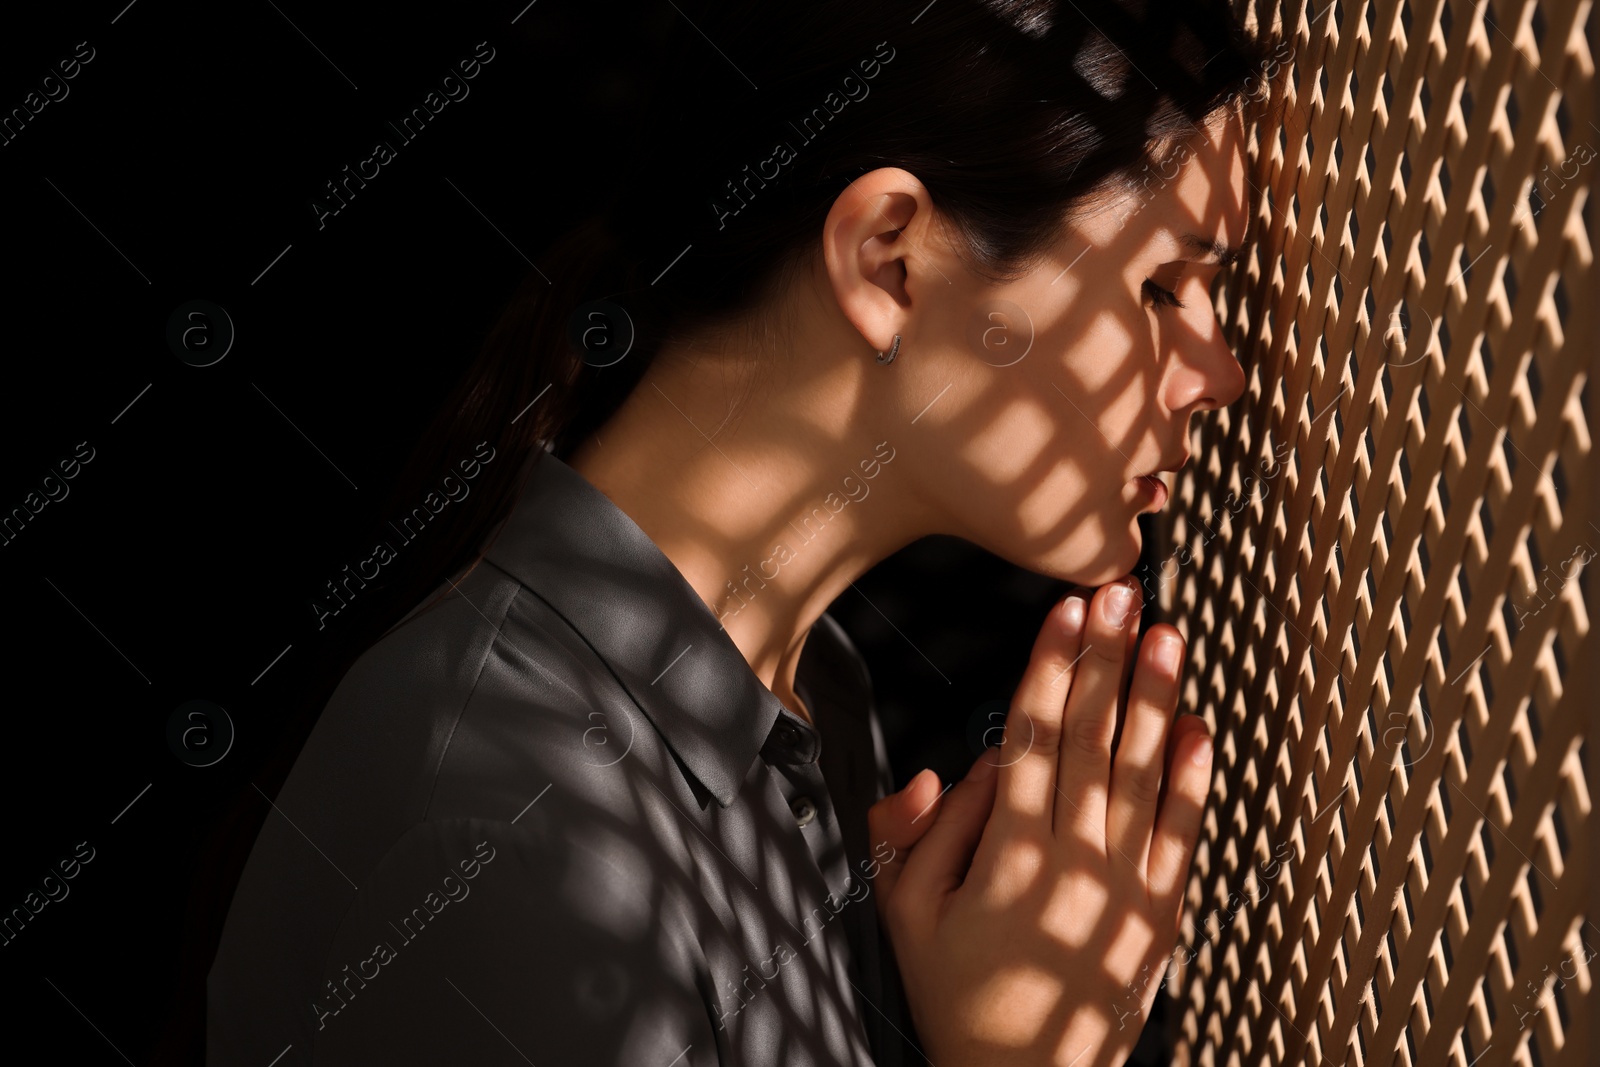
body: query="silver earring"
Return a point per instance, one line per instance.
(886, 358)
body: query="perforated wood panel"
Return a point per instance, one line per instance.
(1379, 557)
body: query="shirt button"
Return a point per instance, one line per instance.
(788, 733)
(804, 811)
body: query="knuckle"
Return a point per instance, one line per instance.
(1090, 735)
(1052, 675)
(1027, 732)
(1108, 648)
(1143, 784)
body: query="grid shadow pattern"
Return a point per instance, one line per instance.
(1379, 557)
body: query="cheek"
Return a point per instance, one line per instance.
(1017, 439)
(1107, 365)
(1078, 496)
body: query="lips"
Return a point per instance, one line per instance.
(1155, 488)
(1173, 467)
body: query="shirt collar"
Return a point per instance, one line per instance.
(568, 542)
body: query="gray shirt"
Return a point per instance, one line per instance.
(556, 819)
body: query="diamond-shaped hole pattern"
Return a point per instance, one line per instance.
(1366, 643)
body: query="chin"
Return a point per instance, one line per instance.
(1119, 565)
(1108, 563)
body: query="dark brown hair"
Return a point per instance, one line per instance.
(1011, 114)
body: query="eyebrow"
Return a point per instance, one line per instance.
(1210, 246)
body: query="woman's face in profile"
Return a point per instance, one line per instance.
(1047, 397)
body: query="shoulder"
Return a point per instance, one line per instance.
(479, 775)
(526, 925)
(468, 710)
(545, 716)
(435, 654)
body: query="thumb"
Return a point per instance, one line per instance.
(939, 865)
(898, 822)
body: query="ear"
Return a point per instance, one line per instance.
(876, 237)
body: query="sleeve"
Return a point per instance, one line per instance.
(483, 942)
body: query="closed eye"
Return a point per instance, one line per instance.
(1162, 297)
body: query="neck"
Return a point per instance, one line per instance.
(770, 510)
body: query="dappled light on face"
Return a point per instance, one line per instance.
(1039, 514)
(1007, 445)
(1108, 385)
(1116, 375)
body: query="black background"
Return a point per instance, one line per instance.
(182, 165)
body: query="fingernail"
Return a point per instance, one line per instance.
(1202, 752)
(1118, 601)
(1072, 616)
(1167, 653)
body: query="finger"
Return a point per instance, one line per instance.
(1090, 717)
(1140, 762)
(1178, 822)
(939, 863)
(1028, 756)
(1128, 660)
(896, 823)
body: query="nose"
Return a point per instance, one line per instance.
(1204, 375)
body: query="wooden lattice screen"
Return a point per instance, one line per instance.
(1379, 557)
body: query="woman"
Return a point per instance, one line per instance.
(616, 793)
